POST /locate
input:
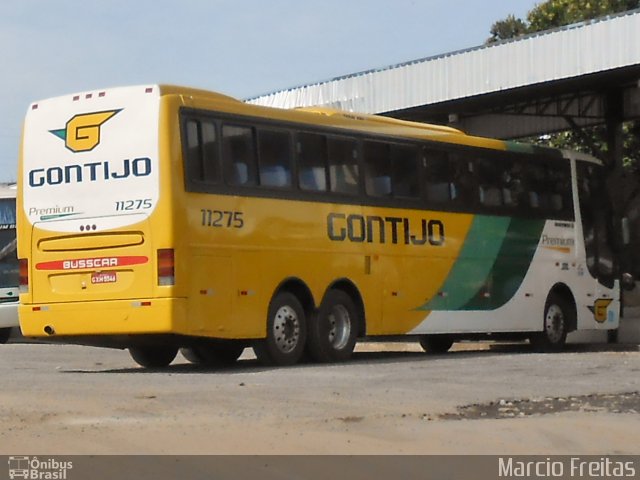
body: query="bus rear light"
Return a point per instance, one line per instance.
(23, 275)
(166, 267)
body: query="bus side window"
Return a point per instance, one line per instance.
(534, 184)
(210, 160)
(343, 165)
(312, 161)
(193, 151)
(560, 200)
(439, 186)
(513, 189)
(406, 174)
(201, 152)
(377, 169)
(489, 179)
(9, 270)
(239, 155)
(463, 187)
(274, 151)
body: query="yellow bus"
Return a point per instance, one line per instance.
(159, 218)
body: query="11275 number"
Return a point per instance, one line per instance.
(222, 218)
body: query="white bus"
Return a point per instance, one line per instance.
(8, 262)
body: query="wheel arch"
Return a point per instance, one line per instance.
(348, 287)
(299, 288)
(563, 290)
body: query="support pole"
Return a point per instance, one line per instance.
(614, 113)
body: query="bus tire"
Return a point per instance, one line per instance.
(153, 356)
(332, 334)
(286, 332)
(557, 318)
(214, 353)
(5, 333)
(434, 344)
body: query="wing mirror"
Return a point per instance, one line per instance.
(627, 282)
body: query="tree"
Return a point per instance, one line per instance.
(510, 27)
(558, 13)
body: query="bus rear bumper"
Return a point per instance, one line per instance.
(118, 317)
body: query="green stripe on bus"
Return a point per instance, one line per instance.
(474, 263)
(511, 265)
(492, 264)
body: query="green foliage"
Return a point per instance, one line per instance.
(593, 142)
(510, 27)
(558, 13)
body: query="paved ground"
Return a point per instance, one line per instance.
(389, 399)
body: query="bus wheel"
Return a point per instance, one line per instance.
(557, 316)
(332, 336)
(153, 356)
(5, 333)
(434, 344)
(286, 332)
(213, 353)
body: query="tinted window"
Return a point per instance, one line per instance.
(406, 173)
(201, 152)
(312, 161)
(239, 155)
(8, 256)
(489, 178)
(275, 158)
(343, 165)
(548, 188)
(449, 179)
(377, 164)
(439, 174)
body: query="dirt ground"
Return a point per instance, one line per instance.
(390, 399)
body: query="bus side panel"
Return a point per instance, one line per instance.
(211, 290)
(558, 260)
(411, 259)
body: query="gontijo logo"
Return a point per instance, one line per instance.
(82, 132)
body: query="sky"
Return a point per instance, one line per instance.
(242, 48)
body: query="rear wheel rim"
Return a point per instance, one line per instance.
(339, 327)
(286, 329)
(554, 323)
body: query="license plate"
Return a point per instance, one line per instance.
(103, 277)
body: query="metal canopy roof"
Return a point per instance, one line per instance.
(540, 83)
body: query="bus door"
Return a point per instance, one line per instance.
(597, 228)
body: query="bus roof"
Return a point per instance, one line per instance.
(333, 118)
